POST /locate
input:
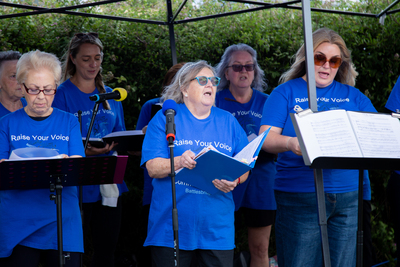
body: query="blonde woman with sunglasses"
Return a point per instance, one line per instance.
(298, 238)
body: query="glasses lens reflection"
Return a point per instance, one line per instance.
(203, 80)
(320, 60)
(238, 68)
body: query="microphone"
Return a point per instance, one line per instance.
(169, 110)
(118, 94)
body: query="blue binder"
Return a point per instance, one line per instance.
(215, 165)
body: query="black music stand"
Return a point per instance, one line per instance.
(349, 163)
(57, 173)
(360, 163)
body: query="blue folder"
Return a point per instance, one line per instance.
(216, 165)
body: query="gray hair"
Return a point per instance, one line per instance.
(8, 56)
(182, 80)
(37, 60)
(258, 83)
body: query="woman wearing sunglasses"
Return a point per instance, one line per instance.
(82, 78)
(298, 237)
(147, 112)
(28, 221)
(241, 93)
(206, 222)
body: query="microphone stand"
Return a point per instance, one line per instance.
(95, 109)
(174, 209)
(80, 190)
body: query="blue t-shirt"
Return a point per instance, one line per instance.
(393, 102)
(70, 99)
(205, 221)
(292, 175)
(144, 119)
(4, 111)
(257, 192)
(28, 217)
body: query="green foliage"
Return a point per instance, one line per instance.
(137, 56)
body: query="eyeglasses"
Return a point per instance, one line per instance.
(237, 68)
(203, 80)
(334, 62)
(81, 35)
(37, 91)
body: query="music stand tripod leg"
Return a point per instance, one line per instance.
(360, 232)
(57, 187)
(319, 190)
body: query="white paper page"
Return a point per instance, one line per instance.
(204, 150)
(34, 158)
(378, 134)
(328, 134)
(246, 154)
(124, 133)
(251, 137)
(21, 154)
(92, 139)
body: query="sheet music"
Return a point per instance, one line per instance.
(33, 153)
(124, 133)
(328, 134)
(378, 134)
(247, 153)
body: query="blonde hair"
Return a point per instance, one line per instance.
(69, 68)
(37, 60)
(346, 73)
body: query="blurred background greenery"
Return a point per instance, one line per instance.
(137, 56)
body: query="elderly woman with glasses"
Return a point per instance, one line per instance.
(82, 78)
(241, 93)
(206, 221)
(298, 237)
(28, 221)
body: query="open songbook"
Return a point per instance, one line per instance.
(212, 164)
(347, 134)
(127, 140)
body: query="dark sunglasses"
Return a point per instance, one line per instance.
(334, 62)
(237, 68)
(37, 91)
(203, 80)
(81, 35)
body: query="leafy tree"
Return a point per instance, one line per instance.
(137, 56)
